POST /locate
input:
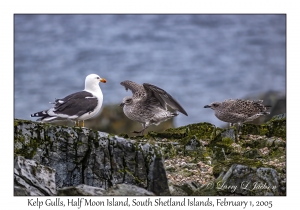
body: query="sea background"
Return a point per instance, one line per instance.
(198, 59)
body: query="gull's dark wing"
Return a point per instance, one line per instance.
(76, 104)
(137, 90)
(163, 97)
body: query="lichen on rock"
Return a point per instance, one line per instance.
(83, 156)
(189, 160)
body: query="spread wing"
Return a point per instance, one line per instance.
(163, 97)
(137, 90)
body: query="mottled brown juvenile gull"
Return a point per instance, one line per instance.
(78, 106)
(237, 111)
(148, 104)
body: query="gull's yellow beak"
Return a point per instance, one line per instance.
(103, 80)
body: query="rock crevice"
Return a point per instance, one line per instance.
(82, 156)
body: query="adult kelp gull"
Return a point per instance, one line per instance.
(78, 106)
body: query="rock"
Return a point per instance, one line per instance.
(279, 117)
(80, 190)
(188, 187)
(34, 179)
(229, 133)
(244, 180)
(83, 156)
(127, 190)
(270, 142)
(177, 191)
(189, 160)
(218, 149)
(31, 178)
(21, 191)
(116, 190)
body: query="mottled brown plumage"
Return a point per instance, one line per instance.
(148, 104)
(237, 111)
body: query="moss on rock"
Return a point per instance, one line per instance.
(258, 146)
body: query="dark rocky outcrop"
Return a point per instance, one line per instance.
(116, 190)
(32, 178)
(82, 156)
(190, 160)
(128, 190)
(245, 180)
(80, 190)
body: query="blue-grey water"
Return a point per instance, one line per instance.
(198, 59)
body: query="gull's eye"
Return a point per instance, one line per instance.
(98, 78)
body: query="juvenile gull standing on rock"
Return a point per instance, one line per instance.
(78, 106)
(237, 111)
(148, 105)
